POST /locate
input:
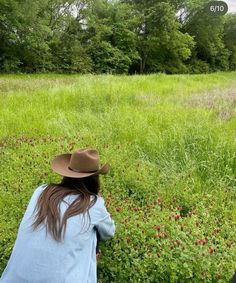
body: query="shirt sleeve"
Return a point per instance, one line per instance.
(102, 220)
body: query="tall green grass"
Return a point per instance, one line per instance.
(167, 136)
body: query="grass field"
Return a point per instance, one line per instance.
(171, 144)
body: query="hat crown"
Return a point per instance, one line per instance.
(84, 160)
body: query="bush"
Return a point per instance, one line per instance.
(198, 67)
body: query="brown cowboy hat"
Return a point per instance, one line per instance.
(81, 163)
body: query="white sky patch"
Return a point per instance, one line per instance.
(232, 5)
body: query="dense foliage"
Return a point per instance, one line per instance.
(170, 141)
(114, 36)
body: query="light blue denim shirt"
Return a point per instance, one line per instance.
(36, 258)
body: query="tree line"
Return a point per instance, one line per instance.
(115, 36)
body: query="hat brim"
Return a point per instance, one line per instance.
(60, 165)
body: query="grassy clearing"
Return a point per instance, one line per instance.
(171, 144)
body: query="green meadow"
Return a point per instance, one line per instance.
(171, 144)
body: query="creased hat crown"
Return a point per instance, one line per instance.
(84, 160)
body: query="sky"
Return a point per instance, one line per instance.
(232, 5)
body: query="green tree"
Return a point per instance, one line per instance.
(230, 38)
(23, 35)
(161, 44)
(210, 51)
(112, 41)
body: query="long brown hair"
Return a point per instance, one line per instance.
(47, 206)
